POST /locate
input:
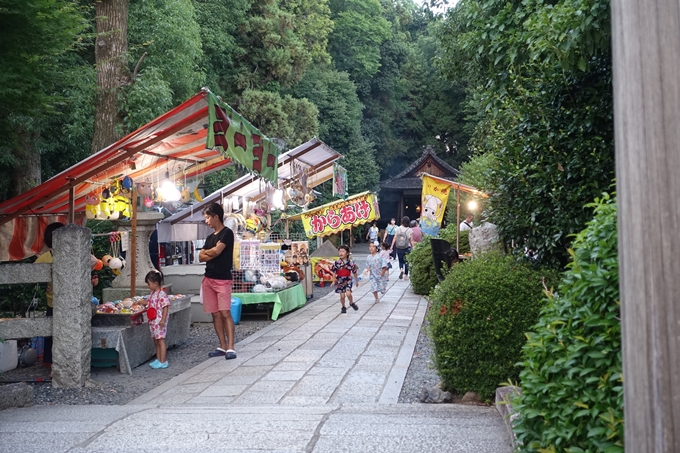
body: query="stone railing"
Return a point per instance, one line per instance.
(70, 327)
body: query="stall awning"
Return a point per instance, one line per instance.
(189, 224)
(340, 215)
(174, 143)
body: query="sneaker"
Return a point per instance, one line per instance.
(343, 310)
(163, 365)
(354, 306)
(159, 365)
(154, 363)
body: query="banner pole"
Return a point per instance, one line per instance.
(458, 219)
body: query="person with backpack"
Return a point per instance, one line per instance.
(403, 241)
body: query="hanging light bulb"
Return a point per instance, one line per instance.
(168, 189)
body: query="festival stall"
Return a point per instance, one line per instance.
(152, 170)
(333, 218)
(268, 268)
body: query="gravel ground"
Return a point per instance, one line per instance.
(109, 387)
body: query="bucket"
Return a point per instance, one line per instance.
(8, 355)
(236, 309)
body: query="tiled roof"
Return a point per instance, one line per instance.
(406, 180)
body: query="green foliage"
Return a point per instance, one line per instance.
(478, 318)
(293, 120)
(15, 299)
(572, 382)
(421, 268)
(421, 265)
(168, 32)
(218, 179)
(543, 102)
(37, 38)
(359, 30)
(148, 98)
(313, 24)
(340, 124)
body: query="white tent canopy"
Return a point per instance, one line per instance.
(189, 224)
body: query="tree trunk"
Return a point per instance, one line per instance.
(646, 50)
(26, 175)
(110, 52)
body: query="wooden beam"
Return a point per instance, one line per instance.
(646, 64)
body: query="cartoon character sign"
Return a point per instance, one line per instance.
(433, 204)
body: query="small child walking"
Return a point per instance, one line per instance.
(376, 265)
(343, 269)
(157, 312)
(385, 254)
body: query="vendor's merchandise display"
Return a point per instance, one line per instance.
(261, 267)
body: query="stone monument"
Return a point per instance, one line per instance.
(121, 286)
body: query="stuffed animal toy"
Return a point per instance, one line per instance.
(145, 189)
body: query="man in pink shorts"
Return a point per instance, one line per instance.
(218, 255)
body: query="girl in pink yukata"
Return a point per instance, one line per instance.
(158, 306)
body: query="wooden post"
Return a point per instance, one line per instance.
(71, 205)
(646, 51)
(458, 219)
(133, 245)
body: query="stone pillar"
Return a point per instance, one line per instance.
(71, 328)
(120, 287)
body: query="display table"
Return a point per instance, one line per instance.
(134, 344)
(284, 301)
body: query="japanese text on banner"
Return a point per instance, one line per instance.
(433, 204)
(340, 216)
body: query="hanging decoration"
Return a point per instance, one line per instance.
(236, 138)
(340, 188)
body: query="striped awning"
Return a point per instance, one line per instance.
(174, 143)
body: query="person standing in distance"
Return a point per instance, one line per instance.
(218, 255)
(467, 223)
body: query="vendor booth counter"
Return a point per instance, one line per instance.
(284, 300)
(187, 279)
(125, 341)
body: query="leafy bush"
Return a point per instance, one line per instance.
(421, 264)
(478, 318)
(571, 382)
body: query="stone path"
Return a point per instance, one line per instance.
(314, 381)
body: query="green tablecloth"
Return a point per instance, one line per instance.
(284, 301)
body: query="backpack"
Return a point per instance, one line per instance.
(402, 238)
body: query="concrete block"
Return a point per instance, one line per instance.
(25, 273)
(25, 328)
(504, 407)
(15, 395)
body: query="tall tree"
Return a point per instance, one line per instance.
(540, 78)
(166, 52)
(359, 30)
(335, 96)
(34, 35)
(111, 53)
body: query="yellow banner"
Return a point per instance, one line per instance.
(433, 204)
(338, 216)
